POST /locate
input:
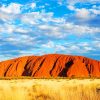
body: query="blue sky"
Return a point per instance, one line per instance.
(37, 27)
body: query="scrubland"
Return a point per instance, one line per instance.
(50, 89)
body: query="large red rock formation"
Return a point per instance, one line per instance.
(51, 65)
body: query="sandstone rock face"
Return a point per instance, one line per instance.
(51, 65)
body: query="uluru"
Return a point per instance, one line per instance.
(50, 65)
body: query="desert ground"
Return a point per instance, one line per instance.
(50, 89)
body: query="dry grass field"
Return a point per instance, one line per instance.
(50, 89)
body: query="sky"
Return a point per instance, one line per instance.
(37, 27)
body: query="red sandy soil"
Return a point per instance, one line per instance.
(51, 65)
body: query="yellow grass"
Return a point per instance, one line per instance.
(50, 89)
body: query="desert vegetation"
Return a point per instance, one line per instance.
(50, 89)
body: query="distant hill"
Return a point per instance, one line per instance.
(50, 65)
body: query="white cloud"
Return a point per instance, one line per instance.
(73, 2)
(94, 11)
(6, 28)
(96, 44)
(21, 30)
(21, 40)
(50, 44)
(41, 22)
(83, 13)
(71, 7)
(11, 28)
(13, 8)
(48, 27)
(30, 18)
(33, 5)
(78, 29)
(84, 44)
(53, 45)
(88, 48)
(64, 29)
(7, 17)
(70, 48)
(74, 47)
(51, 30)
(37, 17)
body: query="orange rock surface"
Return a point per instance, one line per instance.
(51, 65)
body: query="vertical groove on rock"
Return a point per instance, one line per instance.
(32, 64)
(91, 70)
(17, 64)
(35, 61)
(39, 66)
(7, 69)
(54, 65)
(26, 70)
(99, 66)
(87, 69)
(28, 66)
(63, 73)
